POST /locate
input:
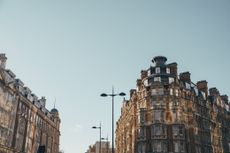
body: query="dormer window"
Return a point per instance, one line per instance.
(158, 70)
(168, 70)
(157, 79)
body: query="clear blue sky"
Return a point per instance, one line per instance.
(75, 50)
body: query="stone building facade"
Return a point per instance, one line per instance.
(168, 113)
(105, 147)
(25, 123)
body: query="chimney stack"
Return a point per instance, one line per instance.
(144, 74)
(3, 61)
(214, 91)
(173, 68)
(203, 86)
(185, 77)
(132, 91)
(224, 98)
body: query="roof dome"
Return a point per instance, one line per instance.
(54, 111)
(159, 60)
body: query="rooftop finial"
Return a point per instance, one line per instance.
(54, 102)
(54, 110)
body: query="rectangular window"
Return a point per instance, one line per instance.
(204, 95)
(142, 132)
(154, 91)
(159, 91)
(176, 147)
(180, 130)
(168, 70)
(156, 146)
(158, 70)
(171, 91)
(157, 115)
(226, 107)
(178, 116)
(174, 116)
(161, 102)
(177, 130)
(146, 83)
(149, 72)
(181, 146)
(143, 148)
(142, 117)
(139, 148)
(171, 80)
(176, 102)
(196, 91)
(157, 130)
(154, 102)
(176, 92)
(187, 86)
(198, 149)
(157, 79)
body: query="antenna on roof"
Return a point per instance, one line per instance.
(54, 102)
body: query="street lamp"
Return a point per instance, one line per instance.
(113, 95)
(98, 127)
(107, 143)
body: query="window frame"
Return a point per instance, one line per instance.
(157, 70)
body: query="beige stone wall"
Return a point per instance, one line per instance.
(25, 123)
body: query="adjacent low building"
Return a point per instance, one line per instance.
(25, 123)
(168, 113)
(105, 147)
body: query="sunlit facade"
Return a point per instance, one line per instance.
(25, 123)
(168, 113)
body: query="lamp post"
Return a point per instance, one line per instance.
(107, 143)
(113, 95)
(98, 127)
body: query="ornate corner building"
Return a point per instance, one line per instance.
(25, 124)
(167, 113)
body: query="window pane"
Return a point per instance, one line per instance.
(154, 92)
(157, 79)
(158, 70)
(161, 91)
(157, 115)
(146, 82)
(171, 80)
(149, 72)
(176, 92)
(176, 147)
(168, 70)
